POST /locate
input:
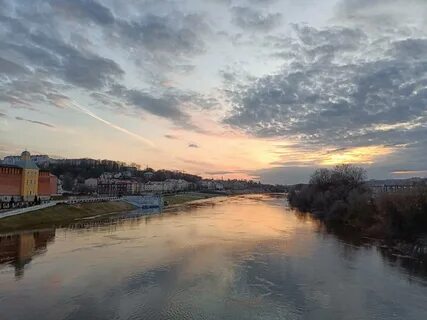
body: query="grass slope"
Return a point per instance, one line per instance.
(60, 215)
(176, 199)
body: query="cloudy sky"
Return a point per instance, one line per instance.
(269, 89)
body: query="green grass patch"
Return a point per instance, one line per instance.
(60, 215)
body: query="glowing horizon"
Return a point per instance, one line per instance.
(218, 88)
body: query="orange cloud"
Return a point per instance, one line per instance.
(358, 155)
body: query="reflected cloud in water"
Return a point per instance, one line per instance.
(245, 257)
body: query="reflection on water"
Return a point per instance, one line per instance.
(237, 258)
(19, 249)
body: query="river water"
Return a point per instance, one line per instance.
(246, 257)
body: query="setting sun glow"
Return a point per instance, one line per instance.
(359, 155)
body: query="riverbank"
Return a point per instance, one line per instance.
(182, 198)
(61, 215)
(66, 214)
(340, 198)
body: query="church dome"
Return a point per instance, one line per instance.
(25, 156)
(26, 162)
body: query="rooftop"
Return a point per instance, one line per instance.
(9, 166)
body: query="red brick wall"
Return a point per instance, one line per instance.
(47, 184)
(10, 181)
(53, 184)
(44, 183)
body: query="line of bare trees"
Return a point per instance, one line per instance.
(341, 196)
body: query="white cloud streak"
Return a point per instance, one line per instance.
(112, 125)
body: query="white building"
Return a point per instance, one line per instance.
(211, 185)
(59, 189)
(40, 160)
(152, 186)
(170, 185)
(182, 185)
(91, 183)
(106, 176)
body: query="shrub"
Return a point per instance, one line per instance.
(329, 190)
(341, 196)
(301, 199)
(360, 208)
(405, 213)
(337, 213)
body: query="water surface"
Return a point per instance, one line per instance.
(238, 258)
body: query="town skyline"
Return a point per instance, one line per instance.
(267, 90)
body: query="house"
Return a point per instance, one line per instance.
(152, 186)
(117, 187)
(211, 185)
(91, 183)
(106, 176)
(167, 186)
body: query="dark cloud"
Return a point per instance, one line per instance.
(33, 44)
(85, 10)
(167, 103)
(220, 172)
(249, 18)
(83, 69)
(10, 68)
(46, 65)
(379, 12)
(321, 98)
(166, 107)
(175, 35)
(413, 49)
(27, 91)
(226, 172)
(171, 136)
(35, 122)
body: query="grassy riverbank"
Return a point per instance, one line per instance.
(181, 198)
(61, 215)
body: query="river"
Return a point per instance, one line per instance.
(247, 257)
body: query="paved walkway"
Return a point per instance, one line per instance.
(15, 212)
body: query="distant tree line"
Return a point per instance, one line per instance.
(341, 196)
(79, 170)
(162, 175)
(86, 168)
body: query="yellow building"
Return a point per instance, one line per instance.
(30, 177)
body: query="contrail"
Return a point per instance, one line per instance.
(112, 125)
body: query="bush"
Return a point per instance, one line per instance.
(301, 199)
(360, 208)
(341, 196)
(404, 214)
(330, 191)
(338, 212)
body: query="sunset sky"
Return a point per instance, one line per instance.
(264, 89)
